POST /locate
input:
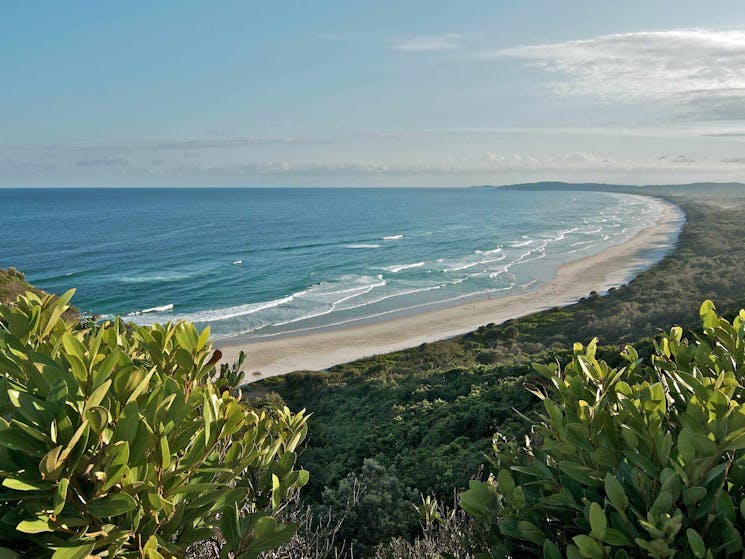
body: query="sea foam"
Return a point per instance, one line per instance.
(400, 267)
(161, 308)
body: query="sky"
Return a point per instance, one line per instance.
(379, 93)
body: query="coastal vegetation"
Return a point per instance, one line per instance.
(126, 441)
(642, 460)
(427, 415)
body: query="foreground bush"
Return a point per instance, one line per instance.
(641, 461)
(114, 442)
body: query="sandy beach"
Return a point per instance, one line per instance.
(323, 349)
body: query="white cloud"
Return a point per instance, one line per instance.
(702, 70)
(569, 160)
(485, 163)
(428, 43)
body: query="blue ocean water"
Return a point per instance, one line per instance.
(257, 262)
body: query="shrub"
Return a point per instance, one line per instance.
(640, 461)
(375, 505)
(447, 533)
(115, 442)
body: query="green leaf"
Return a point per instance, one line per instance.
(231, 527)
(112, 505)
(277, 493)
(26, 484)
(60, 495)
(698, 546)
(79, 433)
(615, 492)
(530, 532)
(268, 534)
(34, 526)
(588, 547)
(616, 538)
(692, 495)
(127, 424)
(73, 551)
(51, 465)
(165, 453)
(97, 395)
(478, 500)
(150, 548)
(550, 551)
(708, 314)
(578, 472)
(505, 483)
(598, 521)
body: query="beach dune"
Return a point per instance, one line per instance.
(326, 348)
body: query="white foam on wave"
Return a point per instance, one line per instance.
(236, 311)
(393, 237)
(469, 265)
(333, 305)
(327, 294)
(162, 277)
(518, 244)
(336, 307)
(383, 313)
(564, 233)
(161, 308)
(363, 246)
(539, 250)
(400, 267)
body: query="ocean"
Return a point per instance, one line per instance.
(259, 262)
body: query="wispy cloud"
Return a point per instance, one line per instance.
(485, 163)
(113, 163)
(676, 159)
(572, 159)
(725, 135)
(700, 70)
(187, 145)
(490, 167)
(428, 43)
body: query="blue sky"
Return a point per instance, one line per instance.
(370, 93)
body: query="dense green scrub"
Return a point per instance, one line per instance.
(125, 441)
(644, 460)
(428, 414)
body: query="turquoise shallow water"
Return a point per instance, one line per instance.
(256, 262)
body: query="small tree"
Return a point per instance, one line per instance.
(115, 442)
(641, 461)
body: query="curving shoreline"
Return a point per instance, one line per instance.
(573, 280)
